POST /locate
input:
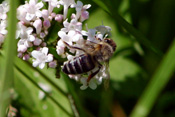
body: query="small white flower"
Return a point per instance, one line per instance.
(38, 25)
(4, 8)
(93, 84)
(84, 82)
(52, 5)
(73, 25)
(25, 32)
(23, 44)
(66, 4)
(67, 37)
(21, 14)
(33, 9)
(81, 10)
(3, 27)
(41, 57)
(60, 47)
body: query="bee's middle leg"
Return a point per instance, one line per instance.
(93, 74)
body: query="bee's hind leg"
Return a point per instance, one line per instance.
(93, 74)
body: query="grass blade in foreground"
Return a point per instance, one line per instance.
(7, 63)
(48, 95)
(157, 83)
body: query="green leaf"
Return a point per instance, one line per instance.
(157, 83)
(7, 62)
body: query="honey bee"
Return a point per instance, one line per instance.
(94, 55)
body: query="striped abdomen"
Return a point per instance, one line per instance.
(79, 65)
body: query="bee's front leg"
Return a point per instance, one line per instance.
(73, 47)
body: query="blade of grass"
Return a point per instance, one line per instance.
(47, 94)
(157, 83)
(7, 63)
(133, 31)
(17, 61)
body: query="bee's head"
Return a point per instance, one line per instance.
(111, 43)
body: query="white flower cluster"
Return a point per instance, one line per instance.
(35, 20)
(33, 26)
(4, 8)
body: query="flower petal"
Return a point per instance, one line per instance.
(45, 50)
(35, 63)
(41, 65)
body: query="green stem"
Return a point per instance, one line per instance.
(7, 63)
(157, 83)
(77, 101)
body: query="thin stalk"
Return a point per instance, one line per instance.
(77, 102)
(156, 85)
(7, 63)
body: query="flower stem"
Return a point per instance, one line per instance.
(7, 62)
(157, 83)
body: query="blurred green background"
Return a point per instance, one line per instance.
(142, 69)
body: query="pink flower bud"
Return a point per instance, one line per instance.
(42, 35)
(73, 16)
(38, 48)
(84, 15)
(46, 32)
(44, 44)
(26, 57)
(53, 64)
(37, 42)
(22, 22)
(46, 24)
(53, 14)
(20, 55)
(59, 17)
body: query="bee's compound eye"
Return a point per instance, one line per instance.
(107, 40)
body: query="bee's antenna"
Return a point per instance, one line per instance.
(86, 27)
(102, 22)
(105, 36)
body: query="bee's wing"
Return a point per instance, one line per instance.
(107, 78)
(90, 46)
